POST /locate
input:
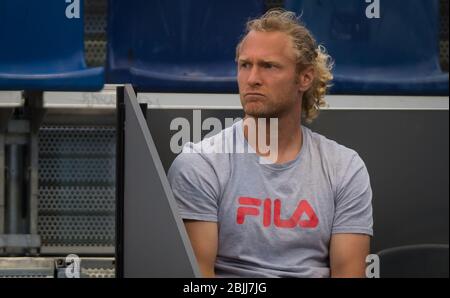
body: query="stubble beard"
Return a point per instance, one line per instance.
(267, 110)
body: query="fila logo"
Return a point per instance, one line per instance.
(251, 207)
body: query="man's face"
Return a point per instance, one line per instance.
(268, 83)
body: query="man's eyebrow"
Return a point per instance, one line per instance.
(243, 60)
(264, 61)
(273, 62)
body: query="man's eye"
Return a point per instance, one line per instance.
(243, 65)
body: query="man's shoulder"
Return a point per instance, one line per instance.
(341, 162)
(212, 143)
(209, 152)
(329, 148)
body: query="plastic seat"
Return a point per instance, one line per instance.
(426, 260)
(120, 33)
(397, 54)
(178, 45)
(42, 49)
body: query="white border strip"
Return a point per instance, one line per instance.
(80, 100)
(336, 102)
(11, 99)
(190, 101)
(106, 99)
(371, 102)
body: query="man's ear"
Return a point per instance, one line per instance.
(305, 78)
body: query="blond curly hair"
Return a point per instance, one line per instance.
(307, 51)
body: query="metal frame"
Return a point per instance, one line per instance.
(35, 103)
(5, 115)
(22, 235)
(120, 187)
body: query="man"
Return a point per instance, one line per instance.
(305, 213)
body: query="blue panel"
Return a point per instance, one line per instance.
(397, 53)
(178, 45)
(42, 49)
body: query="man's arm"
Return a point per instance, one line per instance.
(204, 240)
(348, 254)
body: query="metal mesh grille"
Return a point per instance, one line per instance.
(79, 141)
(76, 186)
(98, 273)
(95, 22)
(98, 268)
(75, 170)
(76, 230)
(88, 200)
(95, 51)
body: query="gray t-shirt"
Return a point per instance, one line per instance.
(275, 220)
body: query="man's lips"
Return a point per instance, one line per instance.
(254, 94)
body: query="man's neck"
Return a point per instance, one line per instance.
(290, 138)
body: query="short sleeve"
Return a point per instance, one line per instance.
(353, 205)
(195, 186)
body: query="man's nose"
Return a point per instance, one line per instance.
(254, 79)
